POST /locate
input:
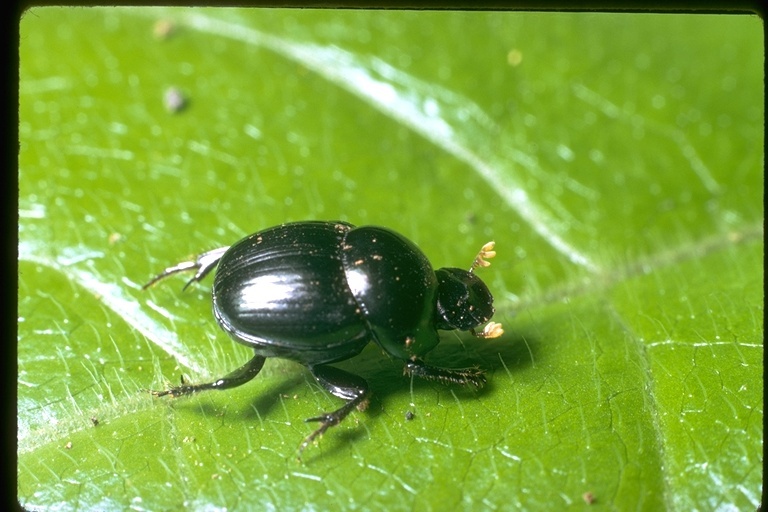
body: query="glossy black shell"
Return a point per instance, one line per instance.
(318, 292)
(283, 291)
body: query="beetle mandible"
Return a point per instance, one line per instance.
(318, 292)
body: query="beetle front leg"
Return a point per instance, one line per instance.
(344, 385)
(236, 378)
(203, 264)
(463, 376)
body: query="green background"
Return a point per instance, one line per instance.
(616, 160)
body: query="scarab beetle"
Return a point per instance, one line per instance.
(318, 292)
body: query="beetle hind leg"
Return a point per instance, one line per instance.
(233, 379)
(344, 385)
(202, 265)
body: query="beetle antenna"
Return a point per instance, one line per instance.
(486, 253)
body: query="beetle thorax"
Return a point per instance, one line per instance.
(395, 287)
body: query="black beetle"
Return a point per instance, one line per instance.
(318, 292)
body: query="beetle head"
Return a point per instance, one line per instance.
(463, 300)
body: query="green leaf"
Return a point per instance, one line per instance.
(615, 159)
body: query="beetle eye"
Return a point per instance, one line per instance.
(463, 300)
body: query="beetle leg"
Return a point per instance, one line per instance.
(203, 264)
(461, 376)
(344, 385)
(236, 378)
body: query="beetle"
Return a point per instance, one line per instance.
(318, 292)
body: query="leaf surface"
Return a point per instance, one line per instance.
(615, 159)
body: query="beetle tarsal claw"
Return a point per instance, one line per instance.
(311, 437)
(486, 253)
(491, 330)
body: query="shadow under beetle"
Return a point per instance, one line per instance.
(318, 292)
